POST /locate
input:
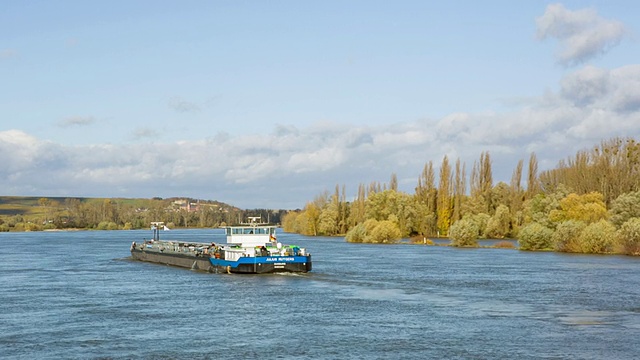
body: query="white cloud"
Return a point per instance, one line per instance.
(77, 121)
(625, 96)
(586, 85)
(183, 106)
(583, 34)
(145, 132)
(18, 150)
(593, 88)
(314, 160)
(291, 165)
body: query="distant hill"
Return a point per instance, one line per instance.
(34, 205)
(23, 205)
(34, 213)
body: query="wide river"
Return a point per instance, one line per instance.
(78, 295)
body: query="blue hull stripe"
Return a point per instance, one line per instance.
(261, 260)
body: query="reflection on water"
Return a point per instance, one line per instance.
(588, 318)
(78, 295)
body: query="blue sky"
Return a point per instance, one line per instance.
(267, 104)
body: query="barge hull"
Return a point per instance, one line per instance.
(260, 265)
(206, 264)
(264, 268)
(185, 261)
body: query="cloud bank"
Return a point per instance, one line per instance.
(582, 34)
(291, 165)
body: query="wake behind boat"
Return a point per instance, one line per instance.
(251, 248)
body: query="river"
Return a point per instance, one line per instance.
(78, 295)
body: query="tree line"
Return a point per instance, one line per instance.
(589, 203)
(115, 214)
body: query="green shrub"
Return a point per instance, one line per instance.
(535, 236)
(566, 238)
(373, 231)
(4, 228)
(15, 220)
(629, 236)
(29, 226)
(624, 208)
(357, 234)
(107, 225)
(112, 226)
(369, 225)
(464, 233)
(481, 220)
(498, 225)
(598, 238)
(49, 226)
(386, 231)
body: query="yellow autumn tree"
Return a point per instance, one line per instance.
(589, 208)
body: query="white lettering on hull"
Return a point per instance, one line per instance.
(280, 259)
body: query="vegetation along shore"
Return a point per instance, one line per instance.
(589, 203)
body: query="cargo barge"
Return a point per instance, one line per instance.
(251, 248)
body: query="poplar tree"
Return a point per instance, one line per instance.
(358, 207)
(393, 182)
(486, 181)
(459, 188)
(426, 198)
(344, 212)
(533, 186)
(482, 182)
(517, 194)
(444, 198)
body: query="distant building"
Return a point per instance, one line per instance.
(185, 204)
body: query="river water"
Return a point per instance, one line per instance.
(78, 295)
